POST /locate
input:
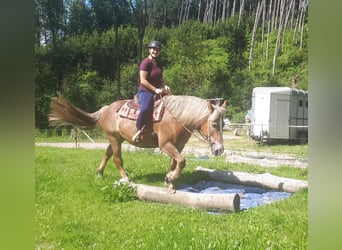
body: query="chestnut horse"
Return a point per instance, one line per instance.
(182, 115)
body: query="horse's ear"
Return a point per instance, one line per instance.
(210, 107)
(224, 105)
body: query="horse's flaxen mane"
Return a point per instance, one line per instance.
(188, 110)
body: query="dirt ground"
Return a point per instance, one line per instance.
(199, 149)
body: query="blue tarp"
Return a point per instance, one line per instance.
(249, 196)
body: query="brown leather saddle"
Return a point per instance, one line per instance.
(131, 109)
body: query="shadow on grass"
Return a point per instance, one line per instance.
(158, 178)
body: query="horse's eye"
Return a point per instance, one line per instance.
(215, 125)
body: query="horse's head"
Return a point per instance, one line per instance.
(212, 128)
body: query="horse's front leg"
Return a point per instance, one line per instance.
(177, 163)
(108, 153)
(173, 164)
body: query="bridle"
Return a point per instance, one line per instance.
(209, 126)
(209, 121)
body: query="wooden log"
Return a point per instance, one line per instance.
(213, 202)
(266, 180)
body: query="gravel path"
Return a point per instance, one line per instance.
(248, 157)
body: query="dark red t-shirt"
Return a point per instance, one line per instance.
(155, 74)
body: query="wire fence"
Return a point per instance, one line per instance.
(70, 135)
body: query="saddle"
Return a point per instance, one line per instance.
(131, 109)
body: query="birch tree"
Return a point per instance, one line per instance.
(288, 11)
(224, 5)
(268, 28)
(259, 10)
(302, 25)
(242, 6)
(280, 27)
(233, 9)
(263, 26)
(139, 9)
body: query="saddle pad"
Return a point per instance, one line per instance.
(131, 110)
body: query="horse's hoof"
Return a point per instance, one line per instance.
(99, 176)
(170, 188)
(167, 180)
(123, 181)
(169, 177)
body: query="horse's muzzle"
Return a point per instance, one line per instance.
(216, 148)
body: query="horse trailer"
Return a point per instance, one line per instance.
(279, 113)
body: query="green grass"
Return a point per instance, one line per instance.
(76, 210)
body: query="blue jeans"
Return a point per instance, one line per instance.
(145, 99)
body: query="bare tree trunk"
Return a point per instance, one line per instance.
(280, 26)
(292, 14)
(233, 9)
(215, 11)
(187, 13)
(288, 11)
(205, 15)
(228, 10)
(265, 180)
(273, 15)
(223, 17)
(222, 202)
(139, 9)
(181, 13)
(302, 28)
(199, 10)
(242, 6)
(277, 11)
(164, 16)
(255, 27)
(263, 26)
(268, 28)
(211, 10)
(117, 61)
(299, 17)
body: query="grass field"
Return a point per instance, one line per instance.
(76, 210)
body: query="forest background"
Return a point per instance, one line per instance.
(88, 51)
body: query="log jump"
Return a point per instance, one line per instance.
(216, 202)
(266, 180)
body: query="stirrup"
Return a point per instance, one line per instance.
(137, 136)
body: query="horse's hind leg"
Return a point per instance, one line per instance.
(108, 153)
(117, 158)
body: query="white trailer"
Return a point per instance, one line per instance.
(279, 113)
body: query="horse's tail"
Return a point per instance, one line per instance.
(63, 113)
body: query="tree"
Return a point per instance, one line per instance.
(89, 50)
(50, 16)
(259, 10)
(139, 9)
(236, 44)
(80, 19)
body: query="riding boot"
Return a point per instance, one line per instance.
(137, 137)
